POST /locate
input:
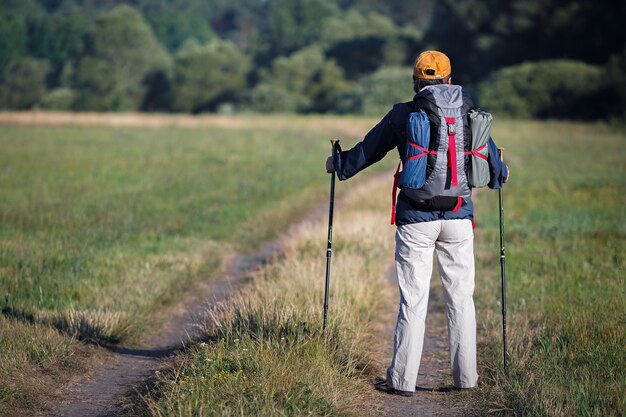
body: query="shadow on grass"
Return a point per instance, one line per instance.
(89, 333)
(77, 327)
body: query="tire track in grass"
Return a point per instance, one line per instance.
(103, 393)
(107, 391)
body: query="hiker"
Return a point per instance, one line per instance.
(434, 216)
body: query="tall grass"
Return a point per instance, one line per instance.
(265, 353)
(33, 358)
(565, 237)
(102, 228)
(107, 220)
(101, 225)
(565, 261)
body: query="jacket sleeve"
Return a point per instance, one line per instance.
(377, 142)
(498, 171)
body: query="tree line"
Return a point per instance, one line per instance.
(531, 58)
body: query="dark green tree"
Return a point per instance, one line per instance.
(174, 28)
(416, 13)
(13, 39)
(58, 38)
(354, 24)
(376, 93)
(240, 22)
(616, 75)
(551, 88)
(309, 80)
(483, 35)
(209, 74)
(120, 52)
(24, 83)
(362, 42)
(290, 26)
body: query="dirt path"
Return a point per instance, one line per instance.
(106, 392)
(102, 393)
(434, 396)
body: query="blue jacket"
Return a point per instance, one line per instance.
(388, 134)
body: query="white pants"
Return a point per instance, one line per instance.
(454, 242)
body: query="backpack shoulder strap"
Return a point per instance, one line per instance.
(425, 101)
(468, 104)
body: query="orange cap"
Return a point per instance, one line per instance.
(432, 65)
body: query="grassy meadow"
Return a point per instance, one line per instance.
(105, 227)
(565, 258)
(267, 355)
(565, 240)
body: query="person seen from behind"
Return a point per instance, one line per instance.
(436, 217)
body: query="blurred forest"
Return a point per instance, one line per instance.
(526, 58)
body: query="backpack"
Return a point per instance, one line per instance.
(445, 154)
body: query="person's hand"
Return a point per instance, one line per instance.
(330, 166)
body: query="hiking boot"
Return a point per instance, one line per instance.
(383, 387)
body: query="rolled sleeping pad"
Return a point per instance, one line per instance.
(480, 126)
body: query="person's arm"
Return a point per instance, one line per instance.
(498, 171)
(378, 141)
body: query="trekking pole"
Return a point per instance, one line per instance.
(329, 250)
(503, 270)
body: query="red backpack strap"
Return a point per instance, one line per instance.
(394, 193)
(425, 152)
(459, 204)
(476, 152)
(452, 152)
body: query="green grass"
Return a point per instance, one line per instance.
(267, 355)
(35, 359)
(87, 213)
(101, 227)
(565, 261)
(565, 238)
(104, 227)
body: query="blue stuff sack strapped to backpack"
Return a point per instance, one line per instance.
(413, 173)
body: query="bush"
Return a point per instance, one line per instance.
(120, 52)
(23, 83)
(376, 93)
(268, 98)
(60, 99)
(306, 81)
(206, 75)
(552, 88)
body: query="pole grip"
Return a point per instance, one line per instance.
(501, 154)
(334, 143)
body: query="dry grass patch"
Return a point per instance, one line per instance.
(107, 224)
(341, 126)
(34, 358)
(565, 243)
(265, 353)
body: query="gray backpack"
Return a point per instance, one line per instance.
(446, 150)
